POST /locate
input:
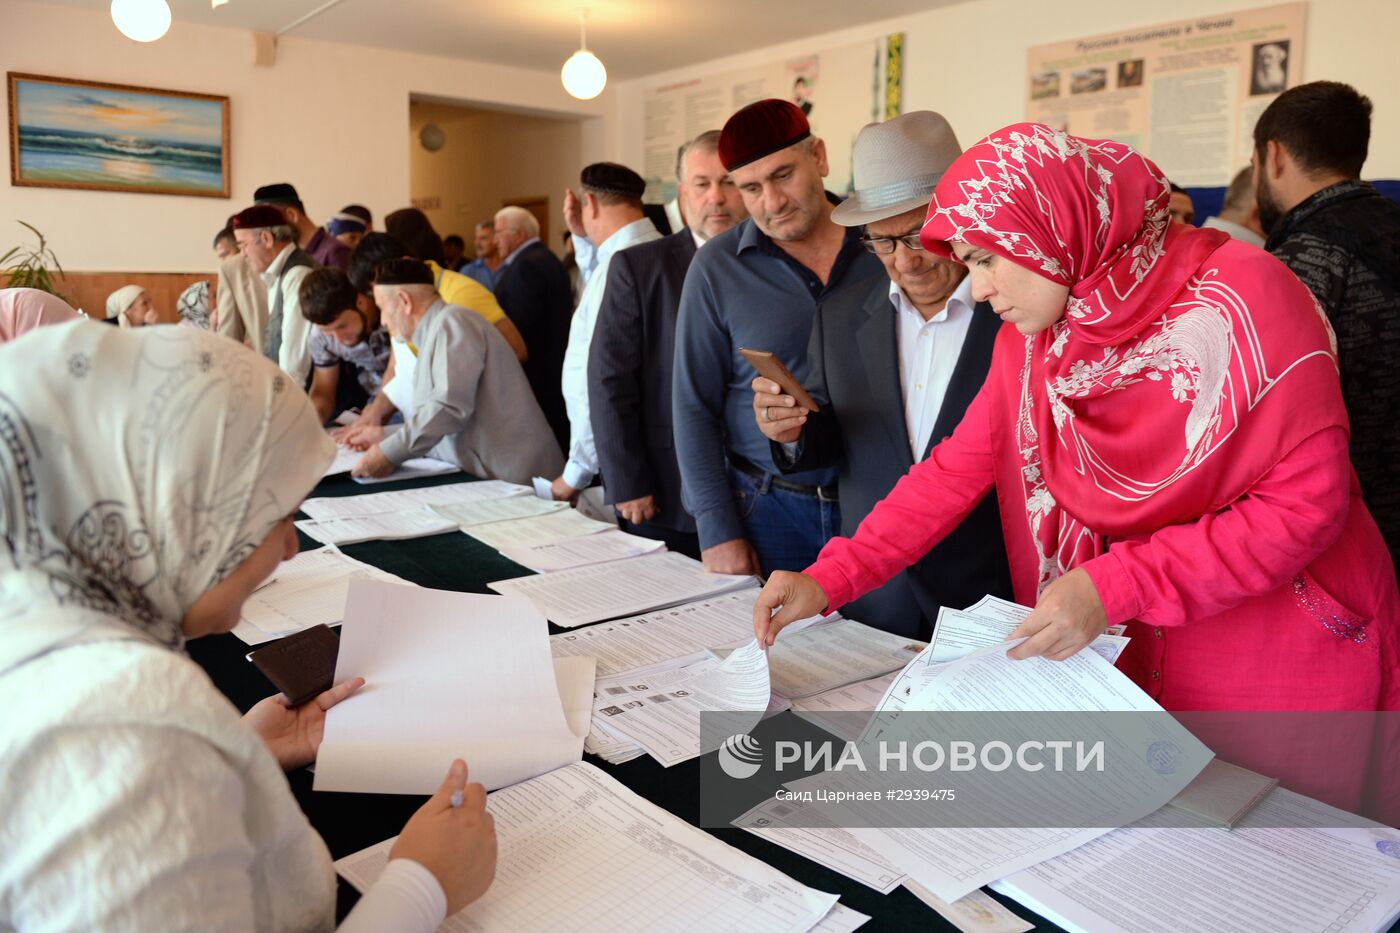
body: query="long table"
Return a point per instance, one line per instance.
(455, 561)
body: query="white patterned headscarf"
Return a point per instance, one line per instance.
(120, 300)
(137, 469)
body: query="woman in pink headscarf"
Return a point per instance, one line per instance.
(23, 309)
(1164, 430)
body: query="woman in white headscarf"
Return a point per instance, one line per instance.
(129, 306)
(134, 796)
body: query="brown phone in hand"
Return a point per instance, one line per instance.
(770, 367)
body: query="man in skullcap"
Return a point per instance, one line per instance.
(270, 245)
(610, 216)
(759, 286)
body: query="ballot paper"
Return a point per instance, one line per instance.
(841, 919)
(1276, 870)
(995, 609)
(466, 514)
(977, 912)
(413, 468)
(544, 488)
(957, 633)
(449, 675)
(578, 850)
(308, 590)
(953, 861)
(571, 598)
(389, 526)
(541, 529)
(660, 711)
(399, 500)
(835, 710)
(820, 658)
(638, 641)
(582, 550)
(345, 460)
(830, 847)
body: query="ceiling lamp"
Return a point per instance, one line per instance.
(141, 20)
(583, 74)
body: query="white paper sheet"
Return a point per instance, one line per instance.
(414, 468)
(951, 862)
(660, 711)
(398, 500)
(308, 590)
(544, 488)
(841, 919)
(582, 550)
(1255, 878)
(344, 462)
(578, 850)
(389, 526)
(576, 597)
(830, 847)
(467, 514)
(956, 634)
(448, 675)
(977, 912)
(820, 658)
(654, 637)
(836, 710)
(542, 529)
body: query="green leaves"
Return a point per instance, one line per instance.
(25, 267)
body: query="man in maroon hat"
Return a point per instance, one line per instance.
(270, 244)
(759, 286)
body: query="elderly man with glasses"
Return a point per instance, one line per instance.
(893, 369)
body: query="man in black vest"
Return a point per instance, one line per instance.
(634, 342)
(533, 290)
(270, 243)
(893, 370)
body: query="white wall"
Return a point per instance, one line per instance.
(968, 60)
(332, 119)
(489, 157)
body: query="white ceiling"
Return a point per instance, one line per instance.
(633, 37)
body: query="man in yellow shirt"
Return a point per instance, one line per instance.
(453, 287)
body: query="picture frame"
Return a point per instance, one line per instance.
(96, 136)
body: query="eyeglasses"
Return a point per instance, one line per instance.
(884, 245)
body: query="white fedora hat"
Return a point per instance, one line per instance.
(896, 165)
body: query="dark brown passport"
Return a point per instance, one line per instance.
(302, 666)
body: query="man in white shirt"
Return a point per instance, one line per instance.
(893, 371)
(1239, 215)
(610, 217)
(270, 244)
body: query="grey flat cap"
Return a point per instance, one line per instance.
(896, 166)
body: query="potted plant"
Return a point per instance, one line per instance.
(24, 267)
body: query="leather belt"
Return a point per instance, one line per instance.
(824, 493)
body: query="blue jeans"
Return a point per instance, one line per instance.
(786, 528)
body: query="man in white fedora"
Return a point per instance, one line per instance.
(894, 369)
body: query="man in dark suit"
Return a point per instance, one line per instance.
(629, 363)
(893, 370)
(533, 290)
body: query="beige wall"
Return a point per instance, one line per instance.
(330, 118)
(968, 60)
(489, 157)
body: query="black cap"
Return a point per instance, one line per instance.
(611, 178)
(403, 272)
(280, 193)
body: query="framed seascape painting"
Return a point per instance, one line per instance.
(111, 137)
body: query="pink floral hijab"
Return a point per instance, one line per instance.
(1185, 366)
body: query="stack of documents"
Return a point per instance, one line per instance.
(576, 597)
(540, 529)
(306, 591)
(581, 550)
(991, 621)
(1282, 868)
(405, 513)
(449, 675)
(579, 850)
(484, 511)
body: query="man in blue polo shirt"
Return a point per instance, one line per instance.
(758, 286)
